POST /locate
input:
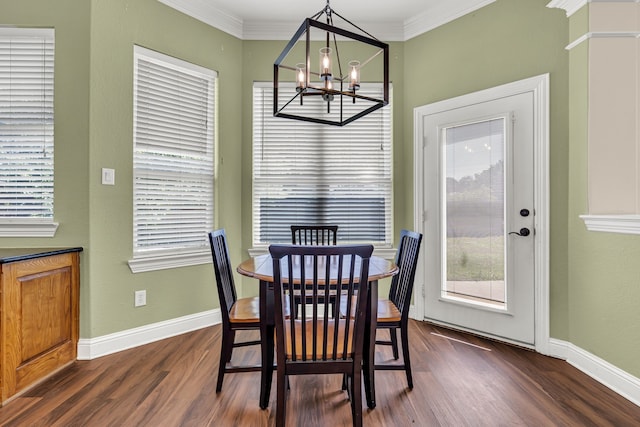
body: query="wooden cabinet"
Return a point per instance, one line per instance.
(38, 315)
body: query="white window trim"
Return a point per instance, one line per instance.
(28, 227)
(167, 261)
(23, 228)
(163, 259)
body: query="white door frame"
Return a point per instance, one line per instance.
(539, 87)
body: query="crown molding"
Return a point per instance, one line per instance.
(443, 13)
(283, 30)
(204, 11)
(272, 30)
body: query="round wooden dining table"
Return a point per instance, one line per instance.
(261, 268)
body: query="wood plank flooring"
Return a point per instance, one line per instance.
(172, 383)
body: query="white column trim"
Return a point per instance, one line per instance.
(623, 224)
(570, 6)
(602, 35)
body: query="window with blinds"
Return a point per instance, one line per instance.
(26, 129)
(173, 158)
(308, 173)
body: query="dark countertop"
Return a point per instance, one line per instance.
(20, 254)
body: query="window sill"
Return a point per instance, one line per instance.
(164, 262)
(28, 228)
(623, 224)
(386, 253)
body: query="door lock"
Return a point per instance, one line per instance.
(524, 232)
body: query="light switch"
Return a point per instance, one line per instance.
(108, 176)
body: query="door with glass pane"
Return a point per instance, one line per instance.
(479, 225)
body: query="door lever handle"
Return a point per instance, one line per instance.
(524, 232)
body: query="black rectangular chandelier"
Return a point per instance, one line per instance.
(310, 82)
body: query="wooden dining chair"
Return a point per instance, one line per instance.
(320, 341)
(393, 313)
(314, 234)
(237, 314)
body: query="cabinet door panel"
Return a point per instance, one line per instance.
(46, 311)
(39, 319)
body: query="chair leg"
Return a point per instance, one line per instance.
(232, 339)
(394, 342)
(347, 381)
(225, 356)
(220, 376)
(404, 336)
(356, 396)
(281, 398)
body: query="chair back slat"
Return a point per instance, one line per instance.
(407, 262)
(314, 234)
(320, 334)
(223, 272)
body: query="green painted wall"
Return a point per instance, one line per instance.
(116, 25)
(94, 128)
(594, 276)
(71, 21)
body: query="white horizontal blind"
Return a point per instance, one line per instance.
(173, 154)
(308, 173)
(26, 123)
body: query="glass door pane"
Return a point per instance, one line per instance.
(474, 212)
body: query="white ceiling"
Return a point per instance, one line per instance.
(388, 20)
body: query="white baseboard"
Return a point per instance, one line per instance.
(91, 348)
(621, 382)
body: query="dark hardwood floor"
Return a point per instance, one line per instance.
(172, 383)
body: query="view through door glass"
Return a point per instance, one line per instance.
(475, 213)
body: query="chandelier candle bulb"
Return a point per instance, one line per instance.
(354, 80)
(300, 78)
(325, 63)
(328, 96)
